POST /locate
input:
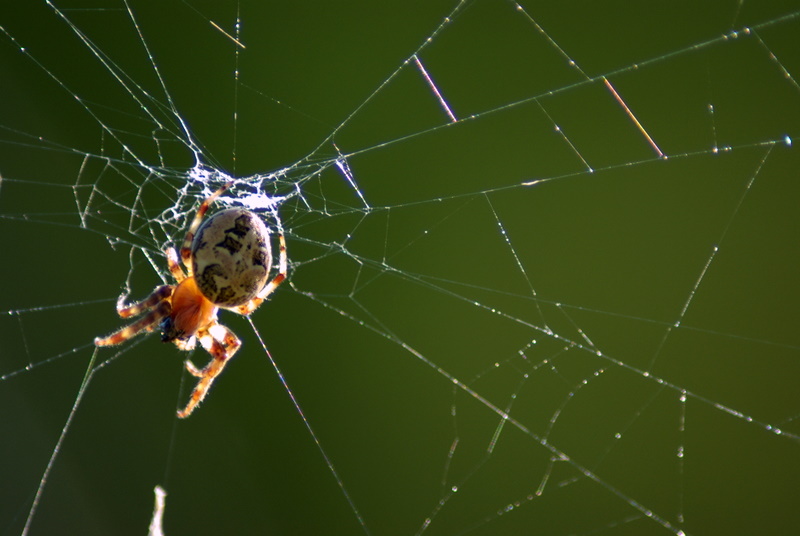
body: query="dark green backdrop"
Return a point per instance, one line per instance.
(591, 306)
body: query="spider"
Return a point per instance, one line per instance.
(228, 260)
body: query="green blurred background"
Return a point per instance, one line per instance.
(562, 303)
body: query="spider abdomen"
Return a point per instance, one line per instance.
(231, 257)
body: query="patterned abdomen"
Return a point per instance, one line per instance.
(231, 257)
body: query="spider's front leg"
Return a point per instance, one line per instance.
(159, 306)
(222, 344)
(135, 309)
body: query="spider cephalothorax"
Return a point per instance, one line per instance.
(227, 260)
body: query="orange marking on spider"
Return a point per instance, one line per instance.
(228, 259)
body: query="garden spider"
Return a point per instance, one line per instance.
(228, 261)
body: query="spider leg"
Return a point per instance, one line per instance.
(193, 370)
(222, 344)
(186, 248)
(175, 266)
(186, 345)
(147, 323)
(148, 303)
(270, 287)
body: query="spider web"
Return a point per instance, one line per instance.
(542, 266)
